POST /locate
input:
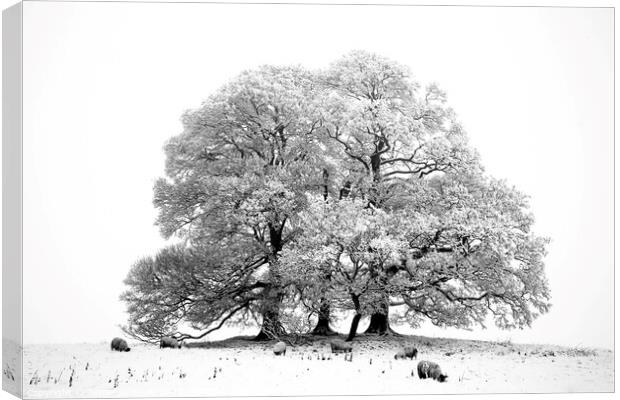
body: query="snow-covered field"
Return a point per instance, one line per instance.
(245, 368)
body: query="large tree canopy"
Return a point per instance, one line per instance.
(350, 188)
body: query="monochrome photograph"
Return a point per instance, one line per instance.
(310, 199)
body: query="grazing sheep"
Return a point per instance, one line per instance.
(428, 369)
(400, 355)
(340, 346)
(119, 344)
(279, 349)
(168, 342)
(407, 352)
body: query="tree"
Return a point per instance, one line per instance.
(391, 130)
(236, 175)
(352, 188)
(460, 251)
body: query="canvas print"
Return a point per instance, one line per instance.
(281, 200)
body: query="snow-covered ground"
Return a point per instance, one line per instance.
(245, 368)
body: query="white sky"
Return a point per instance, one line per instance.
(106, 83)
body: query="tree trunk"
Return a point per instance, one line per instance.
(271, 327)
(270, 308)
(380, 322)
(356, 319)
(354, 325)
(322, 327)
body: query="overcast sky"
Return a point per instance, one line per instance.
(106, 83)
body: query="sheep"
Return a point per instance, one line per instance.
(340, 346)
(429, 369)
(119, 344)
(279, 349)
(169, 342)
(407, 352)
